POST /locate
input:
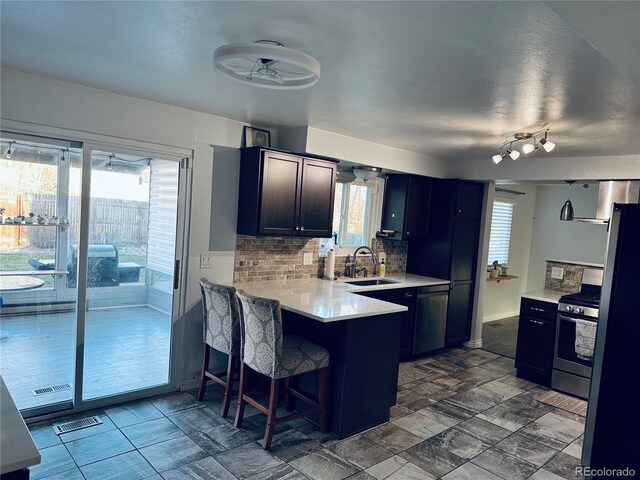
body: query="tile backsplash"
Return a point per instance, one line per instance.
(571, 281)
(277, 258)
(395, 263)
(274, 258)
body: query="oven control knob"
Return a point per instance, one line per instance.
(580, 310)
(569, 308)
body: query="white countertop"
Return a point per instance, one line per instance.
(331, 301)
(544, 295)
(16, 444)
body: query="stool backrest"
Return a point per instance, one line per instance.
(221, 317)
(261, 332)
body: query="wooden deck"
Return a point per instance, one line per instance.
(126, 349)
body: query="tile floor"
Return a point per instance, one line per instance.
(501, 336)
(461, 414)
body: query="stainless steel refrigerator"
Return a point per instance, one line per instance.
(612, 430)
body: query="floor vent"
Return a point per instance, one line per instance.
(77, 425)
(56, 388)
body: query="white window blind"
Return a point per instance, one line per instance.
(500, 231)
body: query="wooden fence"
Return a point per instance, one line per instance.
(113, 221)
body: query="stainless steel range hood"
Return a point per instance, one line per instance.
(610, 192)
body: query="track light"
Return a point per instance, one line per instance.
(10, 150)
(527, 148)
(546, 144)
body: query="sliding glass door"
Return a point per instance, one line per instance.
(131, 259)
(89, 284)
(39, 201)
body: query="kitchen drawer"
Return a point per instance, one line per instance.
(538, 309)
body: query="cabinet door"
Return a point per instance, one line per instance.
(281, 178)
(534, 355)
(464, 248)
(316, 198)
(458, 327)
(406, 297)
(417, 208)
(469, 199)
(431, 318)
(395, 199)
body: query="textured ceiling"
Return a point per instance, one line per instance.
(449, 79)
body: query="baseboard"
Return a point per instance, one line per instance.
(473, 343)
(190, 384)
(500, 316)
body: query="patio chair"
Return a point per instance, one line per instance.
(221, 331)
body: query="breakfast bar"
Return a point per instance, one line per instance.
(362, 335)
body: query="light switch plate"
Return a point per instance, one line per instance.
(206, 261)
(557, 273)
(308, 258)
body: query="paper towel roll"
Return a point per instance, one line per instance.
(330, 265)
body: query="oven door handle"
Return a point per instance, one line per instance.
(570, 319)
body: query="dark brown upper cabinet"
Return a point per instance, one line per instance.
(407, 200)
(283, 194)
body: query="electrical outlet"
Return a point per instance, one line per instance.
(308, 258)
(206, 261)
(382, 257)
(557, 273)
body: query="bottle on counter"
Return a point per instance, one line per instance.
(382, 268)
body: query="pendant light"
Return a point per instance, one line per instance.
(566, 214)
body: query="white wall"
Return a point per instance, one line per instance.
(555, 239)
(364, 152)
(502, 299)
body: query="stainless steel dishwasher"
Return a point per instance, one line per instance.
(431, 318)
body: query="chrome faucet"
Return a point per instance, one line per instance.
(354, 268)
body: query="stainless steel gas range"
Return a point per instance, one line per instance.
(577, 317)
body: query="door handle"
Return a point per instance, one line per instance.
(176, 275)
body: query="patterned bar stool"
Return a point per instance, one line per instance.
(221, 331)
(266, 351)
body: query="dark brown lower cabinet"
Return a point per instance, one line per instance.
(458, 328)
(536, 344)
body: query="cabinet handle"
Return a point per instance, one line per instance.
(408, 233)
(408, 295)
(537, 322)
(537, 309)
(297, 228)
(302, 229)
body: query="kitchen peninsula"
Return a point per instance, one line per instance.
(362, 334)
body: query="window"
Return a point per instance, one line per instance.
(500, 237)
(351, 216)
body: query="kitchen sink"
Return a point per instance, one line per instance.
(373, 281)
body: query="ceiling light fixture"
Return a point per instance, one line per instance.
(566, 214)
(498, 157)
(366, 173)
(546, 144)
(267, 64)
(527, 148)
(10, 150)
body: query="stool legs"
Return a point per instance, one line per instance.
(203, 376)
(241, 393)
(228, 389)
(271, 415)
